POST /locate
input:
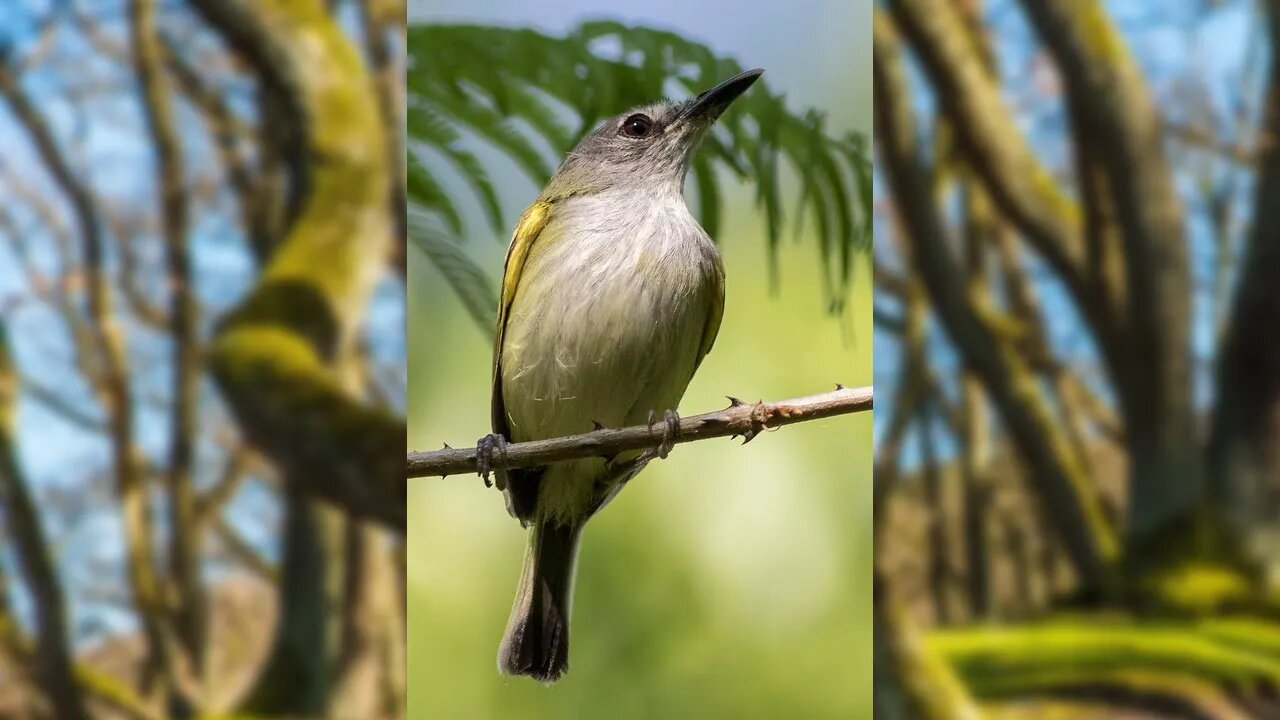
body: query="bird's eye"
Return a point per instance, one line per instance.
(637, 126)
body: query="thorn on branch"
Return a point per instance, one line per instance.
(840, 386)
(759, 416)
(734, 402)
(595, 425)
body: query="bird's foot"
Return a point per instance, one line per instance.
(491, 457)
(670, 432)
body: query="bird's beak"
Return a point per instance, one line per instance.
(707, 107)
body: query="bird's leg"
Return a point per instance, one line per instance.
(670, 432)
(491, 457)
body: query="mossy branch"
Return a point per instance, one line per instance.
(1217, 667)
(740, 418)
(276, 356)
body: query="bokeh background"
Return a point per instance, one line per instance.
(1075, 262)
(729, 580)
(154, 168)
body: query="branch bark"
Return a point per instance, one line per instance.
(747, 420)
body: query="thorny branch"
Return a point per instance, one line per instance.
(740, 418)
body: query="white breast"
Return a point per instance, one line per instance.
(608, 316)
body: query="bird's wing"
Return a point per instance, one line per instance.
(522, 485)
(715, 313)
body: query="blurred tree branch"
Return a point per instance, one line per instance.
(1023, 188)
(303, 315)
(378, 19)
(1117, 230)
(1118, 132)
(1242, 441)
(1204, 138)
(109, 372)
(910, 682)
(285, 358)
(1084, 528)
(52, 664)
(186, 591)
(275, 140)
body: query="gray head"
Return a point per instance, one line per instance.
(647, 146)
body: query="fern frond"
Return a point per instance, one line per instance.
(509, 86)
(468, 281)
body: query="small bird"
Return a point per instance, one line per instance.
(612, 295)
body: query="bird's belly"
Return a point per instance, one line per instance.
(601, 338)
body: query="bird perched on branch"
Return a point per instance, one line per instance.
(612, 294)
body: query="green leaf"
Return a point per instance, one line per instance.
(422, 189)
(465, 277)
(704, 174)
(465, 162)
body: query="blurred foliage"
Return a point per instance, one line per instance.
(512, 86)
(1197, 588)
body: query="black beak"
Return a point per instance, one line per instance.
(708, 106)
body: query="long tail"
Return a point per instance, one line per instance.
(537, 639)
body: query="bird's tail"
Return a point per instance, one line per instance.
(537, 639)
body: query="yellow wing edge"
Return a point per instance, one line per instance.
(528, 228)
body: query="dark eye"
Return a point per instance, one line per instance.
(637, 126)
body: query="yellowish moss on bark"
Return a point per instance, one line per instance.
(274, 356)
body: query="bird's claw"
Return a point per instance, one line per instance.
(491, 457)
(670, 432)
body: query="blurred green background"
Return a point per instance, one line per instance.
(728, 580)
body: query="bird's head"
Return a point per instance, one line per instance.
(649, 146)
